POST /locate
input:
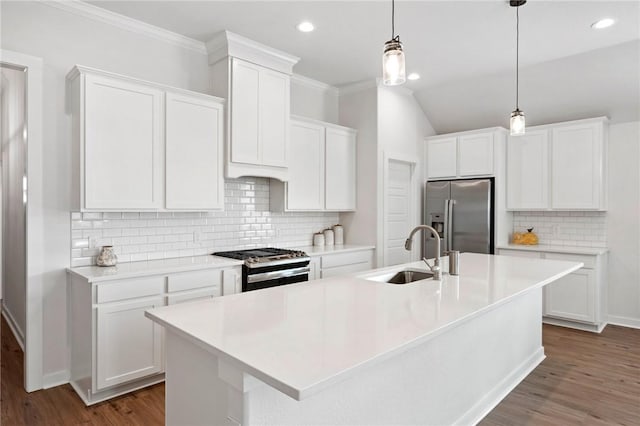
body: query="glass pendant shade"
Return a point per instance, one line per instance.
(517, 123)
(393, 69)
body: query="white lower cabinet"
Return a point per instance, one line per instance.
(572, 297)
(577, 300)
(115, 348)
(331, 265)
(128, 345)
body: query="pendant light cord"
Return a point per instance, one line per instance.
(393, 19)
(517, 54)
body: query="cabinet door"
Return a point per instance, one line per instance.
(244, 132)
(527, 171)
(194, 177)
(340, 170)
(576, 166)
(572, 297)
(231, 281)
(314, 269)
(305, 188)
(123, 143)
(128, 345)
(475, 154)
(274, 118)
(441, 158)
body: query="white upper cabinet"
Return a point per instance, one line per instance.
(305, 188)
(322, 174)
(122, 147)
(558, 167)
(245, 131)
(274, 100)
(475, 154)
(194, 138)
(463, 155)
(256, 81)
(577, 166)
(340, 169)
(144, 146)
(442, 157)
(527, 171)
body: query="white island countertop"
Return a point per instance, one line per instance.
(302, 338)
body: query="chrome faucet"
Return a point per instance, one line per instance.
(437, 273)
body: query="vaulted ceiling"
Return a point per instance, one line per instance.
(464, 51)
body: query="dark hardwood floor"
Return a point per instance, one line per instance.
(587, 379)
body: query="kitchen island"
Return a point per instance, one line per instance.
(357, 350)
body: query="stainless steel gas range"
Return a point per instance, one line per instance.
(270, 267)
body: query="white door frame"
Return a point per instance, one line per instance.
(33, 351)
(413, 214)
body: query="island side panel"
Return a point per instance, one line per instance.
(194, 394)
(454, 378)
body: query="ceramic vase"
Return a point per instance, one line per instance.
(107, 257)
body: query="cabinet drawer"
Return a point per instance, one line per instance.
(190, 296)
(193, 280)
(129, 289)
(589, 261)
(519, 253)
(334, 260)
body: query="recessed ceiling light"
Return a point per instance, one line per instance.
(305, 27)
(413, 76)
(603, 23)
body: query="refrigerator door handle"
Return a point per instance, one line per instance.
(445, 234)
(450, 233)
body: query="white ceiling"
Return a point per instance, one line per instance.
(452, 44)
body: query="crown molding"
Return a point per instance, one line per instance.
(315, 84)
(227, 43)
(90, 11)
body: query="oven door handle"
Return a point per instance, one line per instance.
(274, 275)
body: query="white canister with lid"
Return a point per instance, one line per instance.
(338, 234)
(328, 237)
(318, 239)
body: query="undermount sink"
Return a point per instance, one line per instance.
(409, 276)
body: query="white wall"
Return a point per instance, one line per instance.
(64, 39)
(388, 120)
(14, 161)
(402, 127)
(358, 110)
(313, 99)
(623, 223)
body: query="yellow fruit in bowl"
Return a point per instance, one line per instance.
(528, 238)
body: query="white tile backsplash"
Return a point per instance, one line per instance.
(578, 229)
(246, 222)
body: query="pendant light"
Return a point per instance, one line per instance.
(517, 117)
(393, 70)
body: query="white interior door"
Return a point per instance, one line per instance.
(399, 215)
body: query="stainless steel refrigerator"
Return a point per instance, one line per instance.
(462, 213)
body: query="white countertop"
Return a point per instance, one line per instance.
(152, 267)
(594, 251)
(333, 249)
(302, 338)
(183, 264)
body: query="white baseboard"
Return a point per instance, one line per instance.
(13, 325)
(497, 394)
(56, 378)
(624, 321)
